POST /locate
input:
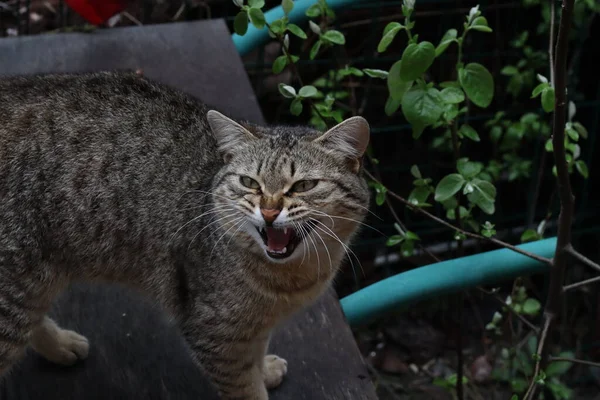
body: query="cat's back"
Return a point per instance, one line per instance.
(97, 151)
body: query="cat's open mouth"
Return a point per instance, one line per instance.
(280, 242)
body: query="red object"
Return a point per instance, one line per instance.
(97, 12)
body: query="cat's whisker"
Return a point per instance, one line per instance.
(369, 211)
(317, 254)
(344, 246)
(324, 214)
(208, 225)
(234, 223)
(302, 233)
(327, 250)
(211, 211)
(236, 231)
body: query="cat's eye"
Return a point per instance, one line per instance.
(249, 182)
(304, 186)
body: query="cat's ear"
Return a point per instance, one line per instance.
(349, 138)
(229, 134)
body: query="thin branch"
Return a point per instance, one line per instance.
(549, 318)
(551, 41)
(513, 312)
(582, 283)
(464, 232)
(575, 361)
(581, 258)
(290, 61)
(555, 297)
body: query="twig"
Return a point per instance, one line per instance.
(549, 318)
(580, 257)
(575, 361)
(464, 232)
(540, 174)
(286, 52)
(582, 283)
(551, 41)
(513, 312)
(565, 218)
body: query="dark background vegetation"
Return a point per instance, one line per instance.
(409, 350)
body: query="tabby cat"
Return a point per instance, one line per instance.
(229, 226)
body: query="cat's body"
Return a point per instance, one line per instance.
(109, 176)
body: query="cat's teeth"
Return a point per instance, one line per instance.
(285, 231)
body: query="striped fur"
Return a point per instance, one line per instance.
(109, 176)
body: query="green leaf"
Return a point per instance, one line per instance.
(313, 11)
(256, 3)
(287, 91)
(239, 3)
(394, 240)
(449, 37)
(573, 134)
(307, 91)
(548, 99)
(477, 83)
(416, 59)
(296, 106)
(380, 197)
(414, 170)
(376, 73)
(539, 89)
(450, 84)
(411, 236)
(287, 5)
(558, 368)
(531, 306)
(422, 106)
(519, 385)
(483, 196)
(509, 70)
(240, 23)
(530, 235)
(582, 168)
(452, 95)
(448, 187)
(389, 33)
(334, 37)
(391, 106)
(581, 129)
(257, 18)
(296, 30)
(549, 146)
(542, 78)
(315, 49)
(396, 86)
(419, 195)
(469, 169)
(480, 24)
(279, 64)
(469, 132)
(314, 27)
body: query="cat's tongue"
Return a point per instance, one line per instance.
(278, 239)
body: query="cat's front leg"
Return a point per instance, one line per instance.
(239, 368)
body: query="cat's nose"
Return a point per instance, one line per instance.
(269, 214)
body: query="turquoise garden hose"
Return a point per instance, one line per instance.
(442, 278)
(425, 282)
(255, 37)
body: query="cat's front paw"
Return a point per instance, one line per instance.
(274, 370)
(66, 349)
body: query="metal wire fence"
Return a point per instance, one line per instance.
(363, 24)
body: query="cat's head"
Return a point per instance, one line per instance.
(290, 193)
